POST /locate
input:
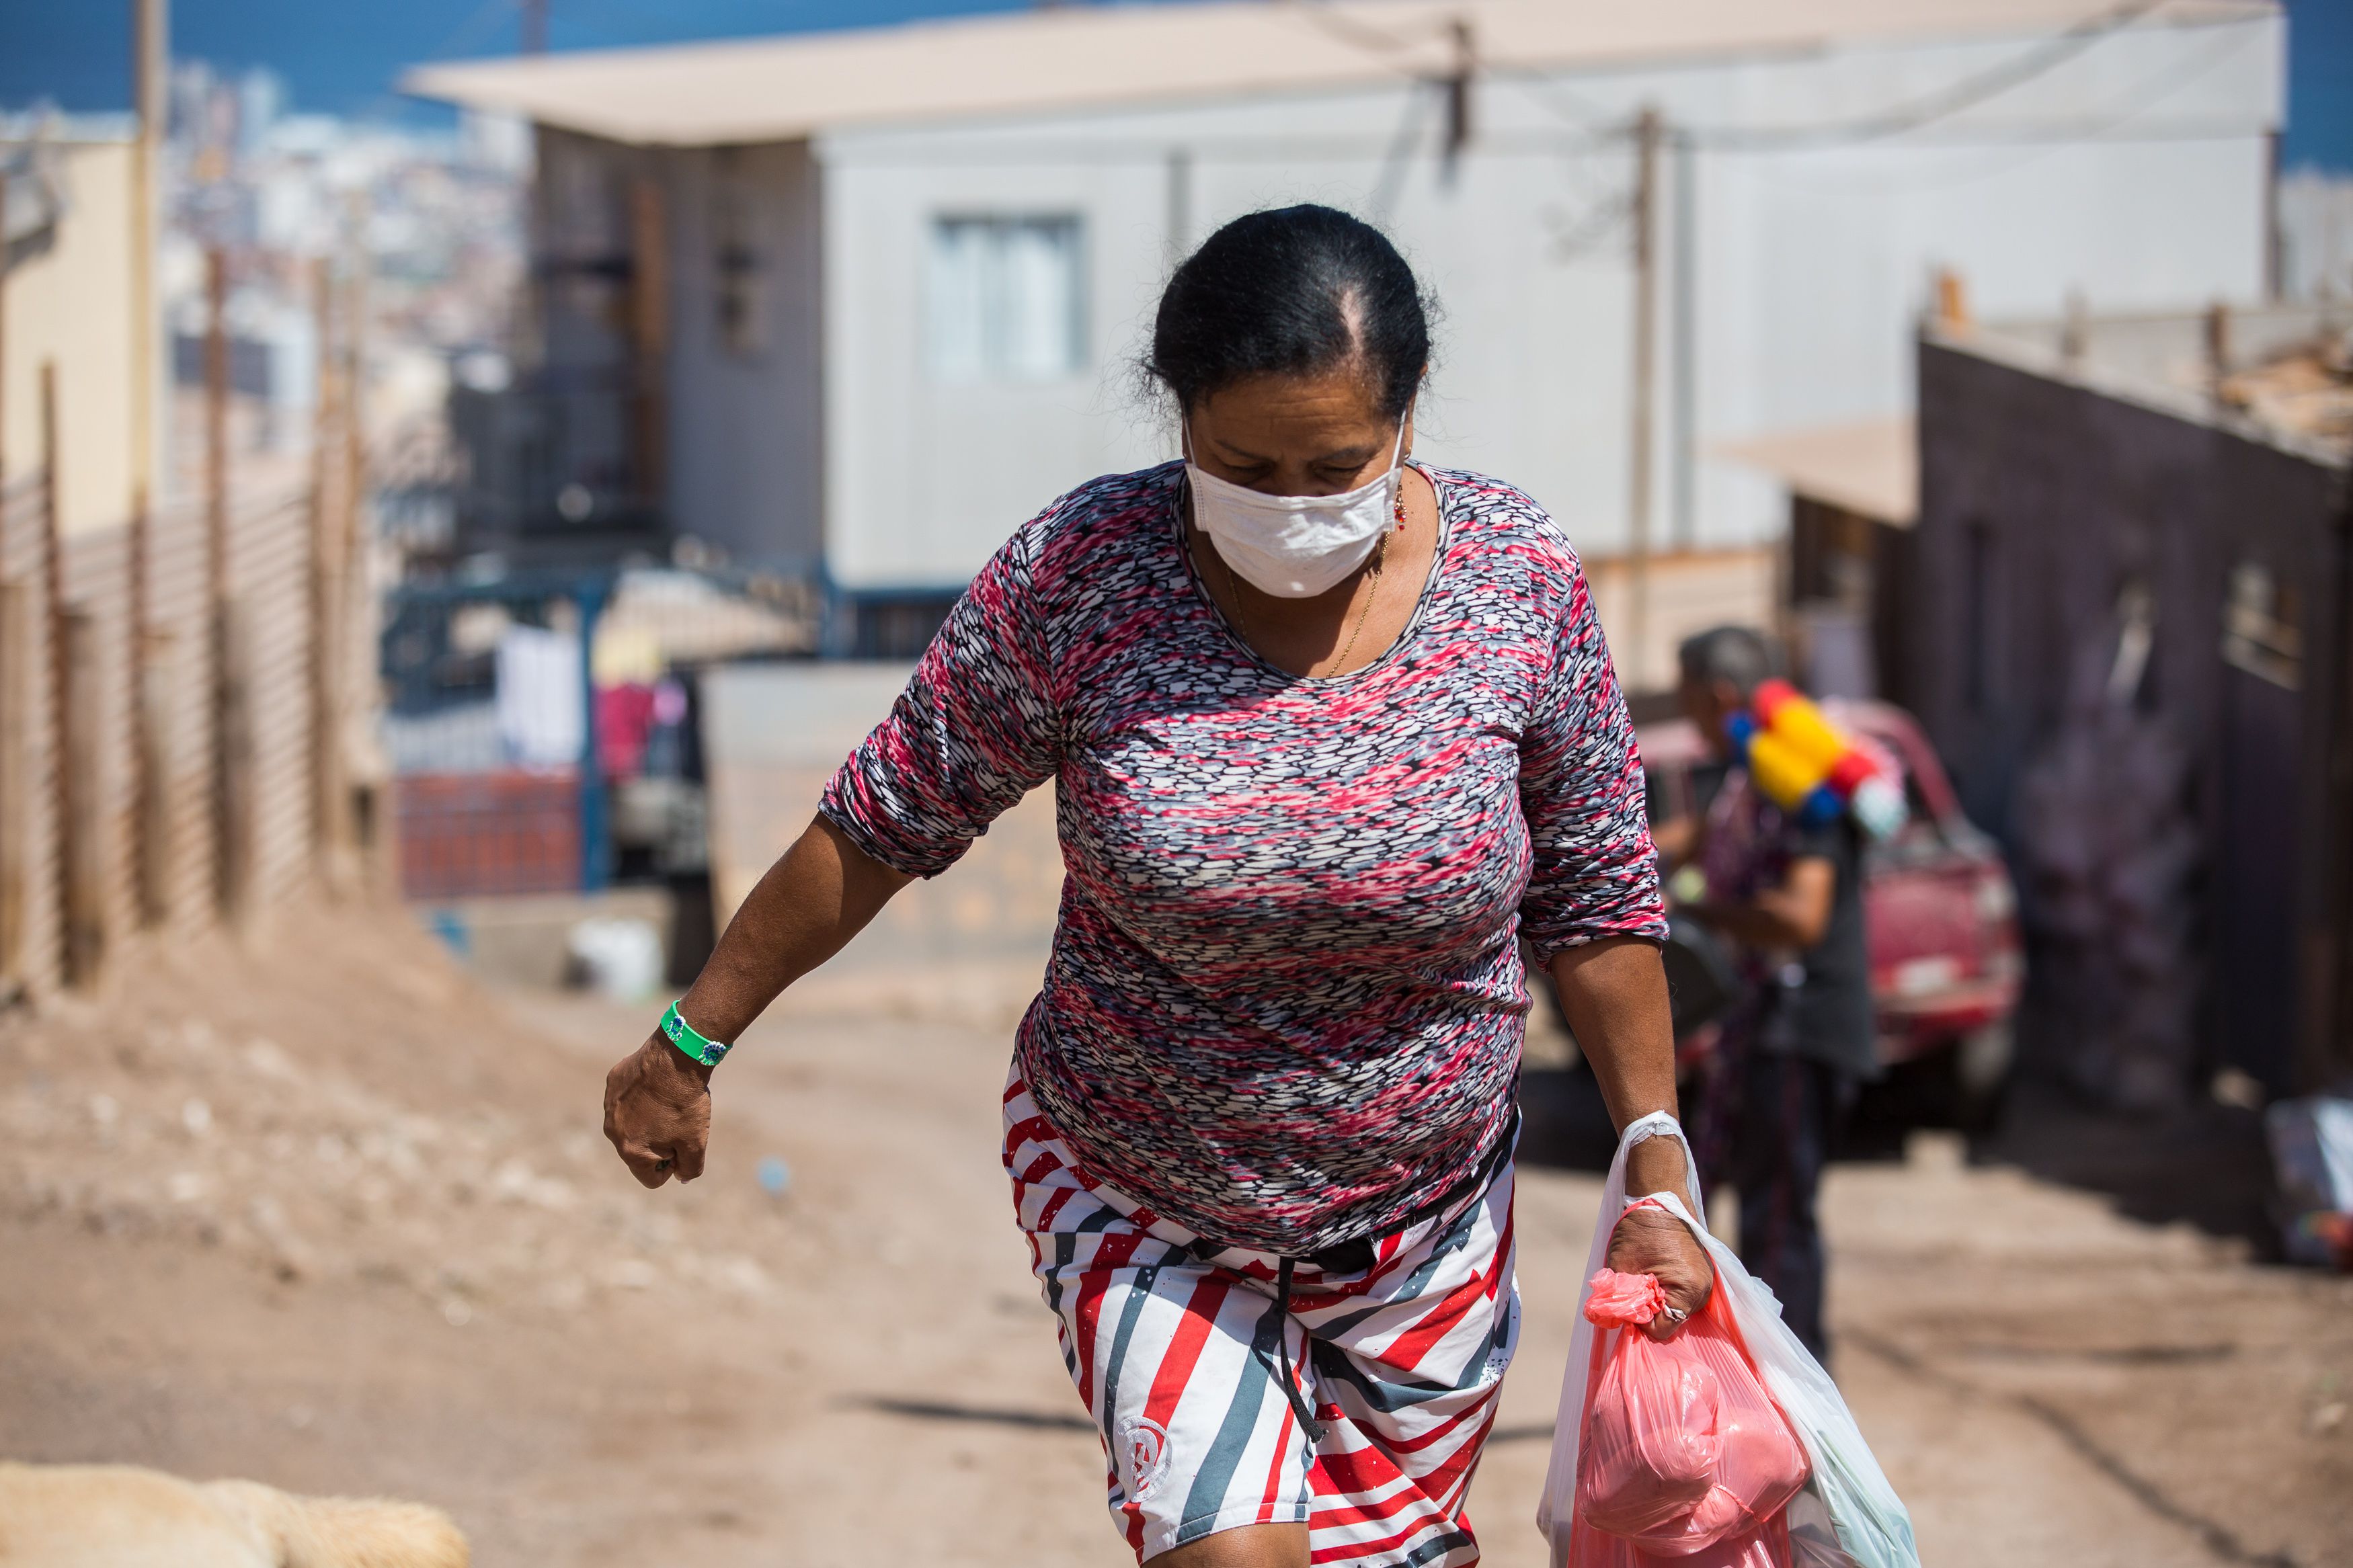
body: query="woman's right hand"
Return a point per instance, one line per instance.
(1653, 1241)
(657, 1112)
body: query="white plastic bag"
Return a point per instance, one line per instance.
(2312, 1158)
(1847, 1516)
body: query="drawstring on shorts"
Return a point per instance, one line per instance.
(1291, 1388)
(1358, 1256)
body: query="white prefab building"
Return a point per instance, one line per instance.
(860, 302)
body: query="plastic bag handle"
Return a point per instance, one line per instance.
(1661, 1124)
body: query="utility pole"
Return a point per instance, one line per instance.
(149, 72)
(1647, 128)
(1179, 220)
(1458, 85)
(534, 27)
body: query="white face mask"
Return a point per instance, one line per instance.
(1293, 547)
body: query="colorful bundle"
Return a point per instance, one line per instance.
(1808, 768)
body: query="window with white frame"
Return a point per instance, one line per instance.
(1006, 299)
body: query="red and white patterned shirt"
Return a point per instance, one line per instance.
(1286, 1000)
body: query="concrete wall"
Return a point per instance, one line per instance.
(2133, 171)
(68, 296)
(772, 735)
(746, 359)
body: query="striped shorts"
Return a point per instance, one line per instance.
(1180, 1348)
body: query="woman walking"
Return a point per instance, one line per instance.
(1333, 735)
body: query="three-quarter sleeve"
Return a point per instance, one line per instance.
(975, 729)
(1596, 873)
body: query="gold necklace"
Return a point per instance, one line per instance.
(1372, 592)
(1372, 589)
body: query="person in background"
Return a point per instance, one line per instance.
(1798, 1045)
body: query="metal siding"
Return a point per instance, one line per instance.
(2079, 492)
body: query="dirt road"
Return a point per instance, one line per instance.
(338, 1221)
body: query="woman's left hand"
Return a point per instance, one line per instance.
(1653, 1241)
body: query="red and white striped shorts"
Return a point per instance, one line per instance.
(1179, 1357)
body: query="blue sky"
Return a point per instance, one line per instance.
(341, 56)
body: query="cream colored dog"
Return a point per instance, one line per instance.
(117, 1516)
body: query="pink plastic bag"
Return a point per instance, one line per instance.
(1684, 1456)
(1844, 1516)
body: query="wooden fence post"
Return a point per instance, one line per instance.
(367, 815)
(16, 782)
(227, 884)
(234, 755)
(82, 838)
(149, 91)
(155, 697)
(330, 809)
(146, 882)
(79, 937)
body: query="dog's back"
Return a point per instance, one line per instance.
(117, 1516)
(345, 1532)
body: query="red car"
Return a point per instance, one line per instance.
(1939, 911)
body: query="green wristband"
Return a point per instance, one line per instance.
(685, 1036)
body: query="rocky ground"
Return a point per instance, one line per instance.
(328, 1215)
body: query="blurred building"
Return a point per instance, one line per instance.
(68, 227)
(2129, 626)
(2316, 215)
(1846, 564)
(433, 219)
(857, 303)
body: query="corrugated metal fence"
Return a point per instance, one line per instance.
(32, 916)
(195, 784)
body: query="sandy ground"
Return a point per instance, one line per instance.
(336, 1219)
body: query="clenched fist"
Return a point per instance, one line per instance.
(1653, 1241)
(657, 1112)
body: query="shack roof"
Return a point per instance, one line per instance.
(1079, 57)
(2284, 376)
(1870, 466)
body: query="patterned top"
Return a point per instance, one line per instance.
(1285, 1003)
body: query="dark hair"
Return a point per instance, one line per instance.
(1743, 657)
(1287, 292)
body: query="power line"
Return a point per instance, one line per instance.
(484, 19)
(1573, 240)
(1964, 94)
(1341, 147)
(1387, 189)
(2043, 142)
(1360, 34)
(1942, 104)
